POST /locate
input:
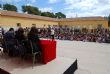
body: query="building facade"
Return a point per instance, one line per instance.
(13, 19)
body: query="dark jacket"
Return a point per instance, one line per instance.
(20, 37)
(33, 38)
(9, 36)
(35, 42)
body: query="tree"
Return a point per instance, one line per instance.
(31, 10)
(0, 5)
(109, 20)
(48, 14)
(9, 7)
(60, 15)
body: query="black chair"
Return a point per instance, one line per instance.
(5, 47)
(30, 51)
(9, 47)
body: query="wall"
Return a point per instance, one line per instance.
(8, 22)
(85, 23)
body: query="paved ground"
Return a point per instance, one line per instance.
(16, 65)
(93, 58)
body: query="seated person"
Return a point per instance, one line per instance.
(20, 37)
(33, 37)
(10, 42)
(19, 34)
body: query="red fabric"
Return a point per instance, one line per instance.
(48, 50)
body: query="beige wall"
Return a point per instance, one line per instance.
(7, 21)
(85, 23)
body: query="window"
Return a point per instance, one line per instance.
(90, 27)
(60, 26)
(108, 24)
(44, 25)
(49, 26)
(34, 25)
(18, 24)
(65, 26)
(78, 27)
(99, 26)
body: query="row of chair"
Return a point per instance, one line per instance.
(31, 53)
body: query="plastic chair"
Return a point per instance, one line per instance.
(33, 54)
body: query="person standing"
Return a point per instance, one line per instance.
(1, 35)
(1, 32)
(52, 34)
(33, 37)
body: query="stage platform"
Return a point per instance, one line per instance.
(60, 65)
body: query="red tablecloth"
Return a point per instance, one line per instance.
(48, 50)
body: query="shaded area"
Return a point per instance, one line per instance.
(72, 68)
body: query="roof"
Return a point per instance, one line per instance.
(24, 15)
(84, 18)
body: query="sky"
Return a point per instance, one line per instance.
(71, 8)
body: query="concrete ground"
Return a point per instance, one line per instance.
(16, 65)
(93, 58)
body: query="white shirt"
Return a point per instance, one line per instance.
(52, 32)
(0, 30)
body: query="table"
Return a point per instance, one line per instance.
(48, 50)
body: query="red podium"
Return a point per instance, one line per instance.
(48, 50)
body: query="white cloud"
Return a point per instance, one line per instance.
(11, 0)
(28, 1)
(87, 7)
(79, 4)
(29, 4)
(53, 1)
(33, 1)
(6, 0)
(46, 9)
(72, 14)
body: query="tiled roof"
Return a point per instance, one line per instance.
(84, 18)
(24, 15)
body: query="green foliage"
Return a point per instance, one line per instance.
(31, 10)
(0, 5)
(108, 17)
(109, 20)
(60, 15)
(36, 11)
(9, 7)
(48, 14)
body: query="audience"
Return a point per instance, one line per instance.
(17, 40)
(100, 35)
